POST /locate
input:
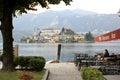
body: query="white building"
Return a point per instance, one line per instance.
(49, 32)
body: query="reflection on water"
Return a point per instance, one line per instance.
(49, 51)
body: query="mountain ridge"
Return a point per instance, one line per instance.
(77, 20)
(67, 18)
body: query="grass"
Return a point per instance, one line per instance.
(17, 74)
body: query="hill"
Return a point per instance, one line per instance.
(77, 20)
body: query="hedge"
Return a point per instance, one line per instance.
(36, 64)
(90, 73)
(30, 62)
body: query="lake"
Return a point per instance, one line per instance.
(49, 50)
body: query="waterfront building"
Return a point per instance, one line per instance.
(79, 37)
(49, 31)
(54, 39)
(49, 34)
(53, 35)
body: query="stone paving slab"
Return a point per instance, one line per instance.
(112, 77)
(63, 71)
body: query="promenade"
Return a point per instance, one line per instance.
(68, 71)
(112, 77)
(63, 71)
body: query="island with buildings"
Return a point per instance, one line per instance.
(54, 35)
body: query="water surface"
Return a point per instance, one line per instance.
(49, 50)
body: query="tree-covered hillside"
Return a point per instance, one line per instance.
(77, 20)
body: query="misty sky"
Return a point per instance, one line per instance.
(99, 6)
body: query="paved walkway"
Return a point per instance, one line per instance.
(68, 71)
(63, 71)
(112, 77)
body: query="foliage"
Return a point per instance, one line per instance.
(27, 39)
(67, 31)
(23, 39)
(30, 62)
(22, 6)
(89, 37)
(20, 60)
(36, 64)
(90, 73)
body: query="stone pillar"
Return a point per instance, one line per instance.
(16, 50)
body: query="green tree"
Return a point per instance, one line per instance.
(89, 37)
(67, 32)
(8, 9)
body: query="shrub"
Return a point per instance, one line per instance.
(37, 64)
(90, 73)
(29, 62)
(20, 60)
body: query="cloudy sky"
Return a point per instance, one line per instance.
(99, 6)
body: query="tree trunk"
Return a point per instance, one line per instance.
(6, 30)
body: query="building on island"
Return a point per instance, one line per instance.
(54, 35)
(49, 31)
